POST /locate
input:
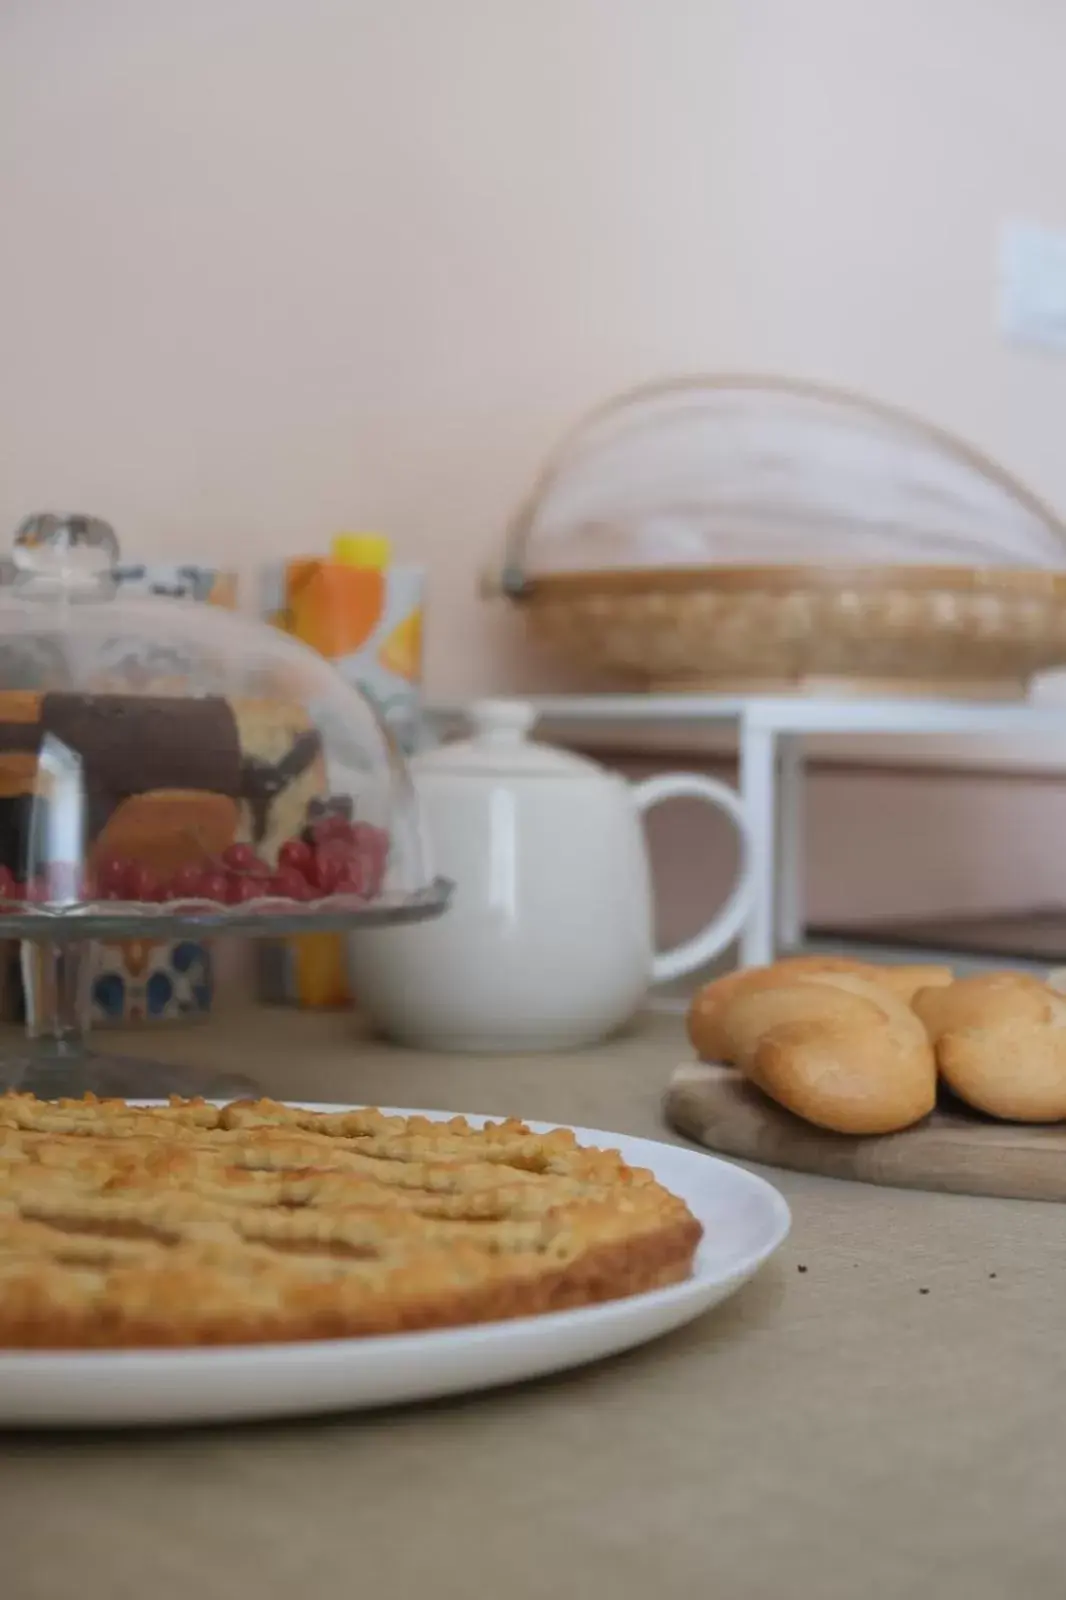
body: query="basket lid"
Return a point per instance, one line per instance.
(747, 471)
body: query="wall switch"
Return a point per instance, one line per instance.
(1032, 285)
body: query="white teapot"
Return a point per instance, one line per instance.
(548, 943)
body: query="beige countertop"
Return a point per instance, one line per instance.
(830, 1432)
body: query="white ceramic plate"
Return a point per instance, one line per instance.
(744, 1218)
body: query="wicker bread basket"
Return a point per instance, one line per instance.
(975, 607)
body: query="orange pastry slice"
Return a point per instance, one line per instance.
(169, 828)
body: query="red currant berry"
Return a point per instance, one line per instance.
(242, 858)
(332, 860)
(238, 857)
(297, 854)
(351, 880)
(213, 886)
(185, 883)
(330, 829)
(290, 884)
(240, 889)
(140, 883)
(111, 877)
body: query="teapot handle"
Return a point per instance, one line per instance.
(727, 924)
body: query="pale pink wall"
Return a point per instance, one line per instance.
(272, 266)
(876, 148)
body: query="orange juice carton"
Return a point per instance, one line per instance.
(364, 615)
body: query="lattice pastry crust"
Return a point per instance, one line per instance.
(192, 1224)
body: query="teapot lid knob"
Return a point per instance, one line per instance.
(502, 722)
(500, 750)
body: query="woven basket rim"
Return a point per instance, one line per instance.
(1003, 582)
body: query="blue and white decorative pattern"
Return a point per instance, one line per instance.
(140, 981)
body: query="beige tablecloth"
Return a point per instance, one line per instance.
(832, 1432)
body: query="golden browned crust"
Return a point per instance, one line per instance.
(708, 1016)
(834, 1048)
(255, 1222)
(906, 981)
(1000, 1041)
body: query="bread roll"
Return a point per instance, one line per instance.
(906, 981)
(708, 1029)
(1000, 1042)
(837, 1050)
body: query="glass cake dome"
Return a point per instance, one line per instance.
(163, 758)
(171, 770)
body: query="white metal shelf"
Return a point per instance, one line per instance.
(770, 731)
(799, 714)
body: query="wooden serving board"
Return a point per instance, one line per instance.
(951, 1150)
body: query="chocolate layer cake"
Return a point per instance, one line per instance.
(168, 780)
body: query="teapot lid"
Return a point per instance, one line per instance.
(499, 746)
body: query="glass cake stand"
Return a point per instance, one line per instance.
(56, 1060)
(172, 769)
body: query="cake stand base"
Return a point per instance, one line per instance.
(54, 1060)
(67, 1071)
